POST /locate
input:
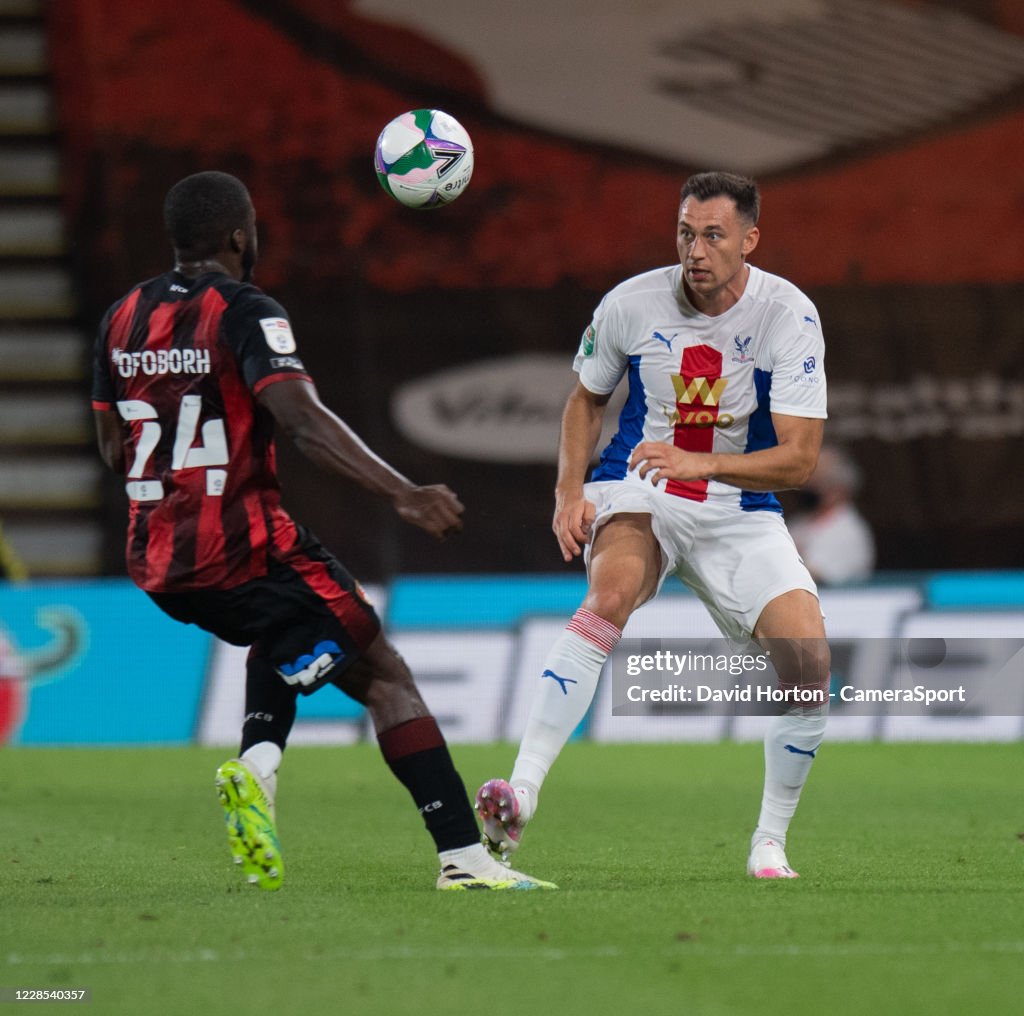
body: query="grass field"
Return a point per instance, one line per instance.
(115, 876)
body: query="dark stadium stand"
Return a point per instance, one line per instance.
(900, 232)
(48, 472)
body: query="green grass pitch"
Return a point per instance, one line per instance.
(115, 876)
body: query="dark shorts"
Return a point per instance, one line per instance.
(307, 617)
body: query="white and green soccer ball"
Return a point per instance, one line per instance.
(424, 158)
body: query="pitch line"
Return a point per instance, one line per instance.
(846, 950)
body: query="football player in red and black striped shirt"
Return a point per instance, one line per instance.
(192, 370)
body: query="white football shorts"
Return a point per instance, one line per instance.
(736, 561)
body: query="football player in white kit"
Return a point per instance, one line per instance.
(726, 404)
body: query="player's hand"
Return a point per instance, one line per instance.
(573, 524)
(434, 509)
(657, 461)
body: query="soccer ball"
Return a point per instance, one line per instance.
(424, 158)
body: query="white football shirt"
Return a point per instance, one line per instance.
(703, 383)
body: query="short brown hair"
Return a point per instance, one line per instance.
(742, 190)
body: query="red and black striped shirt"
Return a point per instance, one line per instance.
(182, 361)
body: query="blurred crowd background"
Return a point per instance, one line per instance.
(887, 136)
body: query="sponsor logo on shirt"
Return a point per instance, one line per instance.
(666, 342)
(589, 338)
(697, 402)
(278, 333)
(808, 377)
(696, 390)
(282, 362)
(161, 361)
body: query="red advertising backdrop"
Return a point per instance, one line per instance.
(908, 241)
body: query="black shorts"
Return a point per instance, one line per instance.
(307, 617)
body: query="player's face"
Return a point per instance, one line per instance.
(713, 240)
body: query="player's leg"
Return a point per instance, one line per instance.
(247, 785)
(625, 567)
(270, 707)
(411, 742)
(415, 750)
(745, 568)
(791, 628)
(334, 635)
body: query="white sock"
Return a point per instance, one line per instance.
(790, 744)
(527, 794)
(561, 699)
(469, 857)
(264, 757)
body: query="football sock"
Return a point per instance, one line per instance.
(264, 757)
(416, 753)
(473, 856)
(560, 701)
(790, 744)
(269, 706)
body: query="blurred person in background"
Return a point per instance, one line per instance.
(834, 539)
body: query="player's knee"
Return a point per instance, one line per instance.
(391, 683)
(804, 664)
(613, 604)
(815, 661)
(380, 680)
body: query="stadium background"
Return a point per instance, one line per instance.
(887, 137)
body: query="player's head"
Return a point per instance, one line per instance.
(717, 229)
(209, 215)
(741, 190)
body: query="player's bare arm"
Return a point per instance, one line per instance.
(787, 465)
(110, 438)
(581, 428)
(329, 442)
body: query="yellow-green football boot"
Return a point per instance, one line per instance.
(248, 803)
